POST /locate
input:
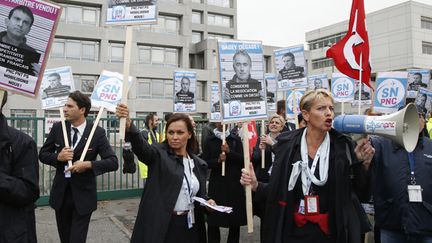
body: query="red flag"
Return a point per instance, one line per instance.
(253, 136)
(346, 53)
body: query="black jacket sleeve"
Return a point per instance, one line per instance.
(21, 186)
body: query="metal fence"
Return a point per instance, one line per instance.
(111, 185)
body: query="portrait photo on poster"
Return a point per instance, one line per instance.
(423, 101)
(56, 85)
(25, 36)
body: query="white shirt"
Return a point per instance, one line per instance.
(81, 129)
(184, 199)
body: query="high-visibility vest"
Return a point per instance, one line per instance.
(143, 167)
(429, 127)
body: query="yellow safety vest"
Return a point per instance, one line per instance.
(143, 167)
(429, 127)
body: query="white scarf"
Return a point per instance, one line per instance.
(301, 166)
(218, 133)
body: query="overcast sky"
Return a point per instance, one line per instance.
(284, 22)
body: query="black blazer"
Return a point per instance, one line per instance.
(82, 185)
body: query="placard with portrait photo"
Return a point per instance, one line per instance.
(417, 78)
(319, 81)
(184, 93)
(57, 83)
(271, 87)
(242, 80)
(291, 68)
(215, 104)
(26, 33)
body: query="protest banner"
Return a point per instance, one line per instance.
(342, 88)
(241, 67)
(417, 78)
(24, 47)
(319, 81)
(215, 104)
(49, 122)
(390, 91)
(291, 68)
(271, 87)
(56, 85)
(128, 12)
(184, 90)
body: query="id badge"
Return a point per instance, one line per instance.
(301, 208)
(311, 205)
(415, 193)
(190, 219)
(67, 174)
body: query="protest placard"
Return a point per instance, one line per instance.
(128, 12)
(319, 81)
(25, 44)
(185, 83)
(342, 87)
(291, 67)
(271, 87)
(417, 78)
(57, 83)
(215, 104)
(390, 91)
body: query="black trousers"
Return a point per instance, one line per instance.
(72, 227)
(178, 231)
(214, 234)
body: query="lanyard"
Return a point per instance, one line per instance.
(189, 185)
(411, 165)
(312, 170)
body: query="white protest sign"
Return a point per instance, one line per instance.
(108, 90)
(128, 12)
(342, 87)
(390, 91)
(57, 83)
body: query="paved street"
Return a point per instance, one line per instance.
(112, 222)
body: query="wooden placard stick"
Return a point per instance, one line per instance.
(95, 124)
(248, 189)
(126, 68)
(262, 150)
(65, 135)
(223, 142)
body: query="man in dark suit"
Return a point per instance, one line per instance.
(73, 193)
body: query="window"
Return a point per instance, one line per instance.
(86, 82)
(154, 89)
(80, 14)
(75, 49)
(325, 41)
(220, 3)
(426, 23)
(219, 20)
(196, 37)
(219, 36)
(165, 24)
(158, 55)
(427, 48)
(322, 63)
(201, 90)
(196, 17)
(196, 1)
(116, 52)
(24, 121)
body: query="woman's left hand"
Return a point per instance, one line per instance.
(211, 202)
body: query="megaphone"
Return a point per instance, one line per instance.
(402, 126)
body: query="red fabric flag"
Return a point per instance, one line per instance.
(346, 53)
(253, 136)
